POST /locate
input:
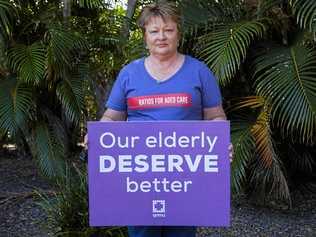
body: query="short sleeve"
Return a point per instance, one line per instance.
(211, 95)
(117, 98)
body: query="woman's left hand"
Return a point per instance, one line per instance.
(231, 152)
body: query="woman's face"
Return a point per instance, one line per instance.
(161, 36)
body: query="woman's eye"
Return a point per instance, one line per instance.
(169, 30)
(153, 31)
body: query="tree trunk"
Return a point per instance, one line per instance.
(66, 10)
(131, 6)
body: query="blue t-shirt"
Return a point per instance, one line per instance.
(181, 97)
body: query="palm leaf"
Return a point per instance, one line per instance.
(248, 102)
(266, 5)
(202, 16)
(62, 46)
(267, 175)
(29, 62)
(305, 11)
(244, 147)
(49, 149)
(197, 14)
(71, 95)
(90, 3)
(302, 160)
(16, 100)
(107, 41)
(243, 141)
(134, 49)
(261, 132)
(286, 77)
(7, 12)
(225, 48)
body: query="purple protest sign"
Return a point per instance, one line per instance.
(159, 173)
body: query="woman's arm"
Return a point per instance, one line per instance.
(214, 113)
(109, 115)
(113, 115)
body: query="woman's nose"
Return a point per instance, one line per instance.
(162, 35)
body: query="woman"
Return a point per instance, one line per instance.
(164, 73)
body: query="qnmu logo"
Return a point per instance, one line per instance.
(159, 208)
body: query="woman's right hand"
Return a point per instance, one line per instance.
(85, 142)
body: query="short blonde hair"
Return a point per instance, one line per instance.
(163, 9)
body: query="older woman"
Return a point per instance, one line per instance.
(141, 89)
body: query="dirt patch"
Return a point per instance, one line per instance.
(248, 220)
(20, 214)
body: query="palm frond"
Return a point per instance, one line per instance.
(258, 153)
(71, 95)
(107, 41)
(28, 61)
(269, 183)
(48, 149)
(305, 11)
(62, 46)
(286, 78)
(196, 14)
(244, 147)
(135, 49)
(90, 3)
(302, 160)
(7, 12)
(267, 175)
(16, 99)
(203, 16)
(266, 5)
(225, 48)
(248, 102)
(264, 144)
(243, 140)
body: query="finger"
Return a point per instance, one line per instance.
(85, 142)
(231, 157)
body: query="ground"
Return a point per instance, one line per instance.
(21, 216)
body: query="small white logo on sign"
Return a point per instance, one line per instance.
(159, 208)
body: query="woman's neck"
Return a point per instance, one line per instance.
(164, 61)
(163, 68)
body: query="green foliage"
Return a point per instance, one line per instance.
(28, 61)
(49, 148)
(305, 12)
(90, 3)
(265, 6)
(225, 48)
(255, 47)
(7, 12)
(62, 46)
(56, 67)
(68, 208)
(244, 147)
(16, 99)
(267, 176)
(70, 93)
(286, 77)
